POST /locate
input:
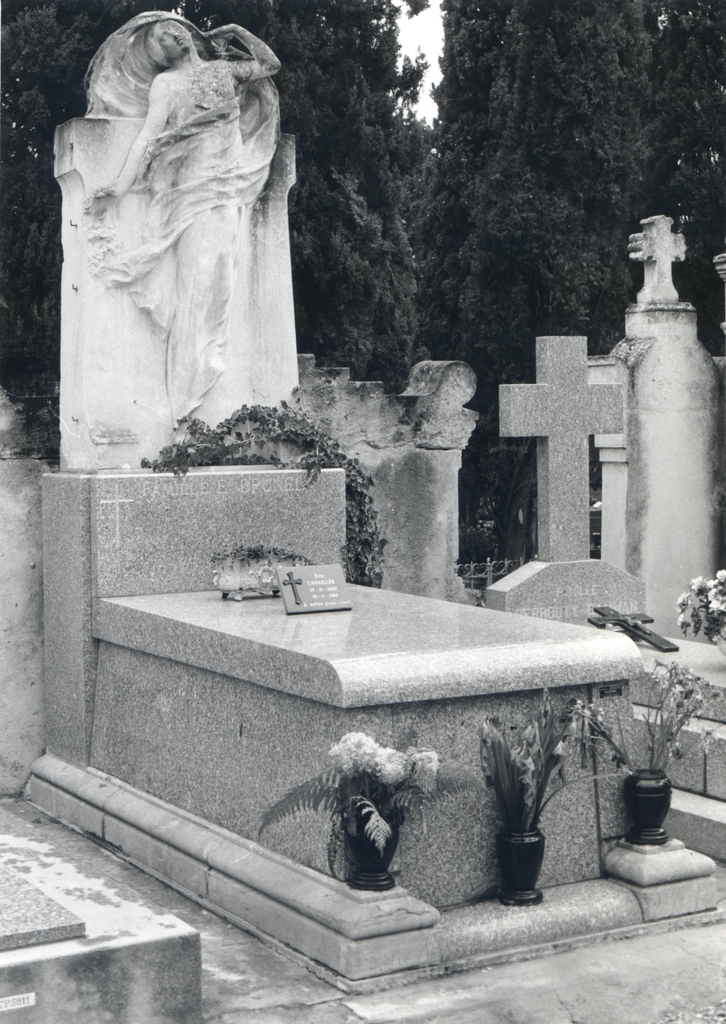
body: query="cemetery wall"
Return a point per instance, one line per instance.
(21, 608)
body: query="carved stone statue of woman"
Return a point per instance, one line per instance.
(203, 154)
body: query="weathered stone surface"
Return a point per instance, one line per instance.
(657, 247)
(21, 621)
(135, 963)
(411, 446)
(669, 863)
(699, 821)
(673, 899)
(561, 410)
(566, 591)
(705, 659)
(29, 917)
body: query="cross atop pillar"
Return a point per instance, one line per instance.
(561, 410)
(658, 248)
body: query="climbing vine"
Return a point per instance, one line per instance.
(262, 436)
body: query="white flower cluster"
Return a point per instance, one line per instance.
(705, 600)
(357, 752)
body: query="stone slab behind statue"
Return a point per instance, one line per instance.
(566, 591)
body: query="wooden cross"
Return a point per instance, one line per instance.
(290, 581)
(117, 501)
(658, 248)
(632, 626)
(561, 410)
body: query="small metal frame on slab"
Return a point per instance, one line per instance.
(357, 941)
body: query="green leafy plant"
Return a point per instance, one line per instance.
(673, 696)
(519, 767)
(382, 784)
(261, 436)
(705, 602)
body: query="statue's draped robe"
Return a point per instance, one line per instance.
(203, 174)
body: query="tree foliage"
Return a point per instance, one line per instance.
(561, 125)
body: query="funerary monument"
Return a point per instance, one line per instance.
(176, 718)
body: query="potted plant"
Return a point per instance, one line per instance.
(368, 790)
(674, 694)
(519, 769)
(705, 603)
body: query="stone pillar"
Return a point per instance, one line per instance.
(411, 446)
(674, 415)
(614, 460)
(22, 461)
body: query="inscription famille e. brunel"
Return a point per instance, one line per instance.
(189, 487)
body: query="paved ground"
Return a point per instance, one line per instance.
(676, 978)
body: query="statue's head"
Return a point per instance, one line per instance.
(169, 42)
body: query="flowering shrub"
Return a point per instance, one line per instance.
(520, 771)
(706, 602)
(378, 785)
(674, 695)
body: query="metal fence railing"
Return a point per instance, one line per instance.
(477, 576)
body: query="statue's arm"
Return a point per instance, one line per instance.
(154, 124)
(264, 62)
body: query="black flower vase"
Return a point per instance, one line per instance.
(371, 865)
(520, 862)
(647, 794)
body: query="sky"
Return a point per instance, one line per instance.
(424, 32)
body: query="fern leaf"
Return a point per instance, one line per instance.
(320, 793)
(376, 828)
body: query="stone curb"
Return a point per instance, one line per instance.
(164, 836)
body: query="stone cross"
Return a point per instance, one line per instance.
(290, 581)
(561, 410)
(117, 501)
(657, 247)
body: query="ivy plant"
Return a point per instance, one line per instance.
(263, 436)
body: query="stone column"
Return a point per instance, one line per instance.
(674, 411)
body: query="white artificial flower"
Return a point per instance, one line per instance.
(391, 766)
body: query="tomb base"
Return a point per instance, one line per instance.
(667, 881)
(360, 942)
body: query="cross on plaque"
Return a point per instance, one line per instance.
(632, 626)
(117, 501)
(658, 248)
(561, 410)
(290, 581)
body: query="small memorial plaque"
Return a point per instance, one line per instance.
(313, 588)
(611, 690)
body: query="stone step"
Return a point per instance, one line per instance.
(357, 941)
(699, 822)
(78, 947)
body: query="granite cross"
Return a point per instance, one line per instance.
(290, 581)
(657, 247)
(561, 410)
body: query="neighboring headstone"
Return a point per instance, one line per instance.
(566, 591)
(561, 410)
(657, 247)
(29, 917)
(176, 296)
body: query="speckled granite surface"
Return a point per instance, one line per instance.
(29, 917)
